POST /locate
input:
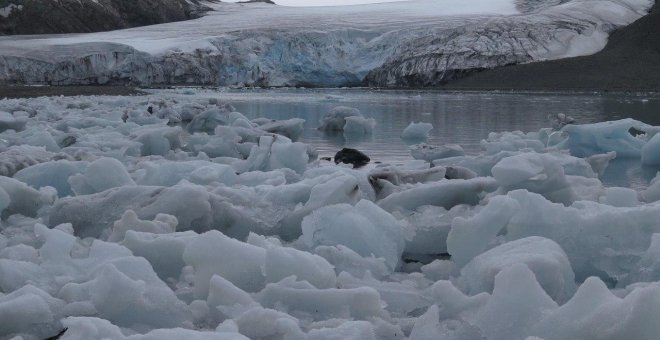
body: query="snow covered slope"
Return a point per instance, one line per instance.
(417, 42)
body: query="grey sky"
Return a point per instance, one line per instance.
(322, 2)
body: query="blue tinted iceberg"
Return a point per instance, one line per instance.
(365, 228)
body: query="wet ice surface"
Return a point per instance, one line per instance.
(204, 220)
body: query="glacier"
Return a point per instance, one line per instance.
(408, 43)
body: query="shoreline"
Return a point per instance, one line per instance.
(32, 91)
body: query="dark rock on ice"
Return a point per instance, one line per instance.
(351, 156)
(58, 335)
(635, 132)
(68, 141)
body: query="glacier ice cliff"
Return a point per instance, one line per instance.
(411, 43)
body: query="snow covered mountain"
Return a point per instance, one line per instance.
(411, 43)
(76, 16)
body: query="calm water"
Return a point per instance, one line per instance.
(463, 118)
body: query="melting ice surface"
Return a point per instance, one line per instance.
(213, 218)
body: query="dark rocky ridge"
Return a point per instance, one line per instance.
(84, 16)
(630, 61)
(39, 91)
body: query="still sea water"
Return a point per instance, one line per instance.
(463, 118)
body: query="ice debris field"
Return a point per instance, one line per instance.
(190, 221)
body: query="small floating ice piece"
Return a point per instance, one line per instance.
(620, 197)
(652, 193)
(18, 198)
(226, 299)
(350, 330)
(366, 228)
(358, 126)
(163, 251)
(54, 174)
(321, 304)
(431, 152)
(335, 120)
(417, 131)
(518, 299)
(539, 173)
(29, 309)
(344, 259)
(18, 157)
(100, 175)
(265, 323)
(159, 140)
(282, 262)
(162, 224)
(428, 227)
(388, 179)
(276, 152)
(342, 189)
(511, 141)
(400, 298)
(600, 162)
(91, 215)
(213, 253)
(434, 325)
(9, 122)
(542, 256)
(291, 128)
(208, 120)
(443, 193)
(648, 267)
(590, 139)
(607, 315)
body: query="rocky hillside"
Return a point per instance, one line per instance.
(81, 16)
(628, 62)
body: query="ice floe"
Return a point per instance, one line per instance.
(193, 221)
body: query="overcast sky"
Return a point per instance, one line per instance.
(321, 2)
